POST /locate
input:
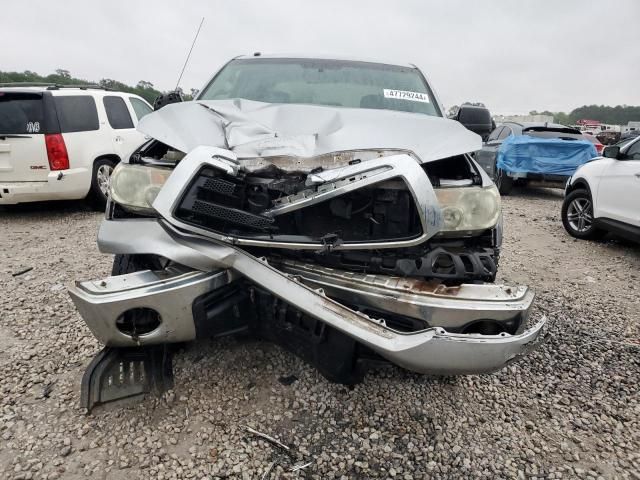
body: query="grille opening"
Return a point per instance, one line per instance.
(443, 264)
(487, 327)
(487, 263)
(466, 261)
(138, 321)
(236, 206)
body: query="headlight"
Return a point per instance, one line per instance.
(469, 208)
(137, 186)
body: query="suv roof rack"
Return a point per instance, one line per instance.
(54, 86)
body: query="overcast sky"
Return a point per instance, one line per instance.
(513, 55)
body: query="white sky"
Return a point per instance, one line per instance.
(513, 55)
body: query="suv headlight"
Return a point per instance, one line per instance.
(469, 208)
(136, 186)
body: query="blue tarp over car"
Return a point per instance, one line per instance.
(527, 154)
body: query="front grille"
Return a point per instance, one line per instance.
(215, 203)
(218, 185)
(231, 215)
(235, 205)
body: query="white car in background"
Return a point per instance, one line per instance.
(62, 143)
(604, 194)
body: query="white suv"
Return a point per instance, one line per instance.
(62, 143)
(604, 194)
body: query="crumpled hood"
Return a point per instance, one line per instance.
(255, 129)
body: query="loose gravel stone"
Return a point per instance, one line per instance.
(569, 410)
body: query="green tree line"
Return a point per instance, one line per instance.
(618, 115)
(143, 88)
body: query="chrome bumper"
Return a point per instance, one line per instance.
(432, 350)
(169, 293)
(435, 304)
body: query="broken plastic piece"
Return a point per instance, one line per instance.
(120, 373)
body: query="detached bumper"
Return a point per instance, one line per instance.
(433, 349)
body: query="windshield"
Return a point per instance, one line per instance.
(324, 82)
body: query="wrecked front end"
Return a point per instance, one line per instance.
(341, 256)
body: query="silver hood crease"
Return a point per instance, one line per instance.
(254, 129)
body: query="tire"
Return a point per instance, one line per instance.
(577, 216)
(124, 263)
(102, 169)
(521, 182)
(503, 181)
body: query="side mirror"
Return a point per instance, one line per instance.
(476, 119)
(611, 152)
(166, 99)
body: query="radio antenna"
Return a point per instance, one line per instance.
(189, 55)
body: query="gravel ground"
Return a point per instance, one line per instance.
(569, 410)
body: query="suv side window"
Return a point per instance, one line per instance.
(140, 107)
(494, 135)
(506, 131)
(77, 113)
(117, 112)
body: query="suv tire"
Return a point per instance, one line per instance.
(577, 216)
(102, 169)
(503, 181)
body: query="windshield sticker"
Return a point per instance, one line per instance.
(33, 127)
(405, 95)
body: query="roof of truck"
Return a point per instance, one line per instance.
(321, 56)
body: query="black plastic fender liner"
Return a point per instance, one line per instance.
(117, 374)
(335, 355)
(223, 311)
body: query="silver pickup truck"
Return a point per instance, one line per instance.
(324, 204)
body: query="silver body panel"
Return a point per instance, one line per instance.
(431, 302)
(171, 294)
(401, 166)
(432, 350)
(253, 129)
(239, 136)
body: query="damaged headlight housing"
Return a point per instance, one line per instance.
(469, 208)
(135, 187)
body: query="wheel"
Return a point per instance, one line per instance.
(503, 181)
(577, 216)
(124, 263)
(520, 182)
(102, 170)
